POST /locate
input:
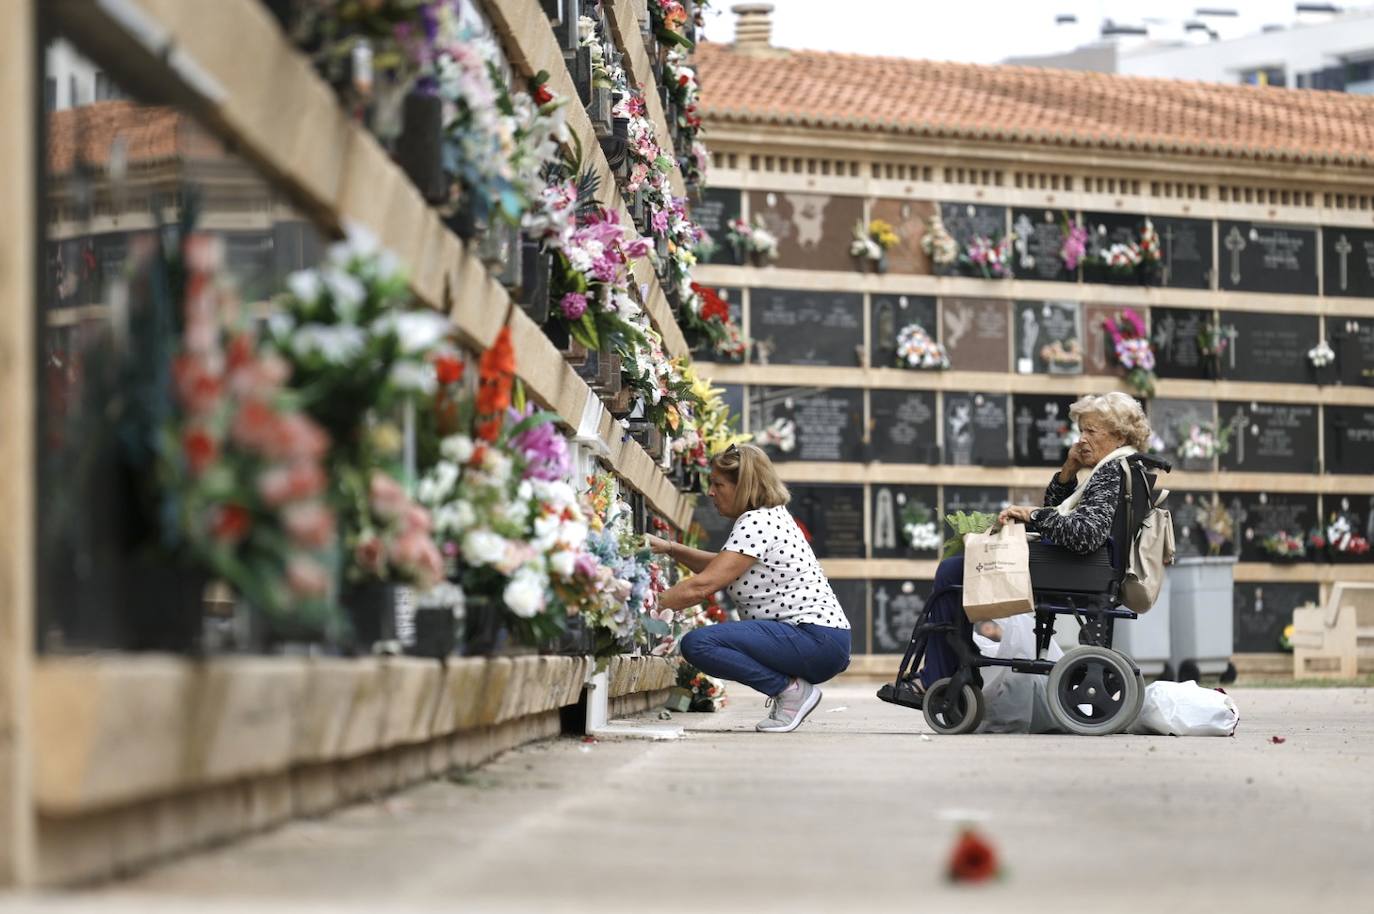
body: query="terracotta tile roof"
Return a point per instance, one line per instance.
(151, 134)
(1025, 104)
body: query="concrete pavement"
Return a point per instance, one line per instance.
(854, 811)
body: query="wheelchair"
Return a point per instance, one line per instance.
(1093, 690)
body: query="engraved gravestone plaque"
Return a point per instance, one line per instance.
(976, 333)
(1039, 238)
(908, 219)
(975, 427)
(897, 604)
(1261, 611)
(1270, 347)
(714, 212)
(890, 314)
(799, 327)
(1270, 437)
(807, 423)
(902, 427)
(894, 508)
(1260, 257)
(1347, 262)
(1048, 338)
(813, 230)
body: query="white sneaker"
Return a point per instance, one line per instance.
(790, 708)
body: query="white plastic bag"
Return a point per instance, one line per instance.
(1014, 702)
(1186, 709)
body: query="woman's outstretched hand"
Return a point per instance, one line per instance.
(657, 544)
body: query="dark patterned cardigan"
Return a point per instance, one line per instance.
(1089, 524)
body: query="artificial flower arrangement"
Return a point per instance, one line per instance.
(1062, 355)
(684, 89)
(1213, 339)
(593, 279)
(708, 429)
(918, 525)
(240, 481)
(1203, 440)
(1321, 355)
(872, 242)
(708, 319)
(781, 433)
(916, 349)
(1133, 351)
(1136, 257)
(938, 244)
(989, 256)
(754, 242)
(1218, 526)
(704, 693)
(1073, 249)
(1338, 539)
(667, 19)
(1283, 545)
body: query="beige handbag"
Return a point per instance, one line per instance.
(1148, 553)
(997, 580)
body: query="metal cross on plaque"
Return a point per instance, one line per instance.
(1343, 248)
(1235, 243)
(880, 600)
(1231, 334)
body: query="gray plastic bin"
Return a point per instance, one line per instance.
(1146, 639)
(1202, 616)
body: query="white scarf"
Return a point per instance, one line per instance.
(1068, 504)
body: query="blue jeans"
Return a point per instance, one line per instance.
(766, 654)
(945, 605)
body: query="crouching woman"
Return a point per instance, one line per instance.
(792, 632)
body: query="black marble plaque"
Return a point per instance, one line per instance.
(1039, 426)
(1350, 439)
(1174, 334)
(704, 351)
(832, 517)
(1262, 611)
(1263, 514)
(853, 597)
(1185, 509)
(1270, 437)
(1039, 237)
(807, 423)
(988, 499)
(890, 314)
(798, 327)
(902, 426)
(897, 604)
(976, 430)
(1185, 247)
(1258, 257)
(890, 509)
(1348, 262)
(1352, 340)
(1171, 421)
(1047, 335)
(965, 220)
(714, 212)
(733, 396)
(1270, 347)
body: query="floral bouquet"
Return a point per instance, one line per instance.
(872, 242)
(916, 349)
(667, 19)
(593, 280)
(1149, 249)
(781, 433)
(1321, 355)
(1340, 539)
(706, 692)
(1122, 258)
(991, 258)
(1062, 356)
(392, 541)
(1073, 249)
(918, 526)
(1218, 526)
(1213, 339)
(753, 242)
(1203, 440)
(709, 313)
(938, 244)
(1133, 351)
(1283, 545)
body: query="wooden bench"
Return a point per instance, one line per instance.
(1329, 641)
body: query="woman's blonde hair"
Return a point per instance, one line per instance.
(1121, 413)
(756, 482)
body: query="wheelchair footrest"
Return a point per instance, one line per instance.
(901, 693)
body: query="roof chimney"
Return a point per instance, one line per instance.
(753, 27)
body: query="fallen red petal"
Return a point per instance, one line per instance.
(1278, 740)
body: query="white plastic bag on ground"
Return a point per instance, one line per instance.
(1186, 709)
(1014, 702)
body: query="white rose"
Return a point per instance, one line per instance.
(305, 285)
(348, 293)
(561, 563)
(524, 595)
(457, 448)
(482, 547)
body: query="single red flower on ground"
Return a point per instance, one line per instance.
(973, 860)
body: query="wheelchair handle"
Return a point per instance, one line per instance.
(1156, 463)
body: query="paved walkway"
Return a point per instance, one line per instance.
(853, 812)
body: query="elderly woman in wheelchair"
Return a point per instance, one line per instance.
(1077, 566)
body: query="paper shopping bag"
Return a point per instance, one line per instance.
(997, 579)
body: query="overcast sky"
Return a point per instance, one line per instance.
(983, 31)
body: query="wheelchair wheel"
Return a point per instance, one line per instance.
(950, 716)
(1094, 691)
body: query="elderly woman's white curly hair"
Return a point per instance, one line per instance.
(1121, 413)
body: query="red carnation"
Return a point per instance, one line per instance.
(973, 859)
(542, 95)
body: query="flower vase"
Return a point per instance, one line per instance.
(371, 611)
(880, 265)
(419, 148)
(574, 641)
(163, 606)
(1151, 273)
(484, 626)
(436, 632)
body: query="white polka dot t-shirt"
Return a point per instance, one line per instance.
(786, 584)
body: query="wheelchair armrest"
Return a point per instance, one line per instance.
(1153, 462)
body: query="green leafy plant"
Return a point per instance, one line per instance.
(960, 523)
